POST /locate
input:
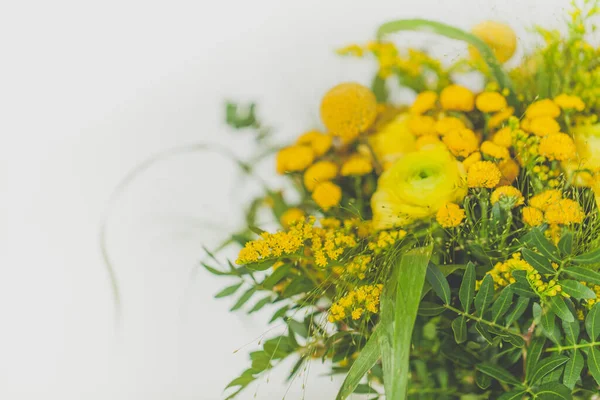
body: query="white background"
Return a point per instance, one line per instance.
(89, 90)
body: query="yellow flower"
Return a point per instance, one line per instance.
(567, 102)
(356, 165)
(421, 125)
(457, 98)
(509, 170)
(450, 215)
(348, 109)
(327, 195)
(319, 142)
(447, 124)
(472, 159)
(495, 151)
(351, 50)
(321, 171)
(424, 102)
(415, 187)
(483, 174)
(393, 141)
(587, 141)
(532, 216)
(500, 37)
(294, 158)
(543, 126)
(503, 137)
(290, 216)
(497, 119)
(542, 108)
(509, 195)
(543, 200)
(461, 142)
(427, 140)
(489, 102)
(356, 302)
(558, 146)
(564, 212)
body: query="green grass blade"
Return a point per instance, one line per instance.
(367, 358)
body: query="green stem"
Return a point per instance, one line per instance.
(479, 319)
(572, 347)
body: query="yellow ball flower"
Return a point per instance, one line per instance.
(472, 159)
(564, 212)
(447, 124)
(424, 102)
(495, 151)
(321, 171)
(416, 187)
(558, 146)
(542, 108)
(294, 158)
(543, 126)
(500, 37)
(489, 102)
(327, 195)
(532, 216)
(543, 200)
(357, 165)
(348, 109)
(290, 216)
(567, 102)
(457, 98)
(319, 142)
(509, 195)
(483, 174)
(450, 215)
(393, 140)
(461, 142)
(497, 119)
(503, 137)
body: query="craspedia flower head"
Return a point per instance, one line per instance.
(567, 102)
(542, 108)
(424, 102)
(356, 165)
(421, 125)
(489, 102)
(447, 124)
(327, 195)
(532, 216)
(321, 171)
(483, 174)
(450, 215)
(500, 37)
(348, 109)
(507, 196)
(558, 146)
(564, 212)
(457, 98)
(493, 150)
(503, 137)
(319, 142)
(461, 142)
(543, 200)
(290, 216)
(294, 158)
(543, 126)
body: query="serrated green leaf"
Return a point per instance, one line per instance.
(592, 322)
(498, 373)
(536, 238)
(429, 309)
(534, 351)
(459, 327)
(546, 366)
(467, 287)
(593, 257)
(517, 310)
(502, 304)
(553, 391)
(559, 307)
(438, 282)
(576, 289)
(513, 395)
(243, 299)
(571, 331)
(367, 358)
(228, 291)
(485, 295)
(583, 274)
(538, 261)
(593, 362)
(573, 369)
(565, 244)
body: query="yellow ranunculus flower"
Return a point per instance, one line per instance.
(416, 186)
(585, 169)
(393, 140)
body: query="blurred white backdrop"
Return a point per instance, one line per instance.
(90, 89)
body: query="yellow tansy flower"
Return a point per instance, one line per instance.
(294, 158)
(483, 174)
(424, 102)
(543, 126)
(567, 102)
(447, 124)
(497, 119)
(500, 37)
(503, 137)
(320, 171)
(348, 109)
(427, 140)
(565, 212)
(493, 150)
(472, 159)
(421, 125)
(356, 165)
(542, 108)
(450, 215)
(558, 146)
(461, 142)
(327, 195)
(532, 216)
(543, 200)
(489, 102)
(290, 216)
(457, 98)
(509, 195)
(319, 142)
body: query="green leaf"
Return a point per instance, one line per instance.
(583, 274)
(459, 327)
(565, 245)
(429, 309)
(242, 380)
(553, 391)
(593, 362)
(279, 313)
(467, 287)
(214, 271)
(484, 332)
(260, 304)
(297, 327)
(367, 358)
(482, 380)
(228, 291)
(546, 366)
(378, 86)
(571, 331)
(438, 282)
(243, 299)
(276, 276)
(538, 261)
(240, 117)
(454, 33)
(536, 238)
(593, 257)
(498, 373)
(577, 290)
(573, 369)
(523, 290)
(485, 295)
(560, 308)
(513, 395)
(502, 304)
(548, 322)
(592, 322)
(534, 351)
(517, 311)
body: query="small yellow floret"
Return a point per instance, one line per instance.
(543, 126)
(461, 142)
(565, 212)
(558, 146)
(319, 142)
(483, 174)
(495, 151)
(567, 102)
(321, 171)
(450, 215)
(424, 102)
(357, 165)
(327, 195)
(542, 108)
(489, 102)
(509, 195)
(457, 98)
(532, 216)
(294, 158)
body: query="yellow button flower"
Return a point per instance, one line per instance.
(319, 142)
(290, 216)
(416, 187)
(447, 124)
(294, 158)
(509, 170)
(543, 200)
(393, 140)
(497, 119)
(567, 102)
(508, 195)
(357, 165)
(543, 126)
(421, 125)
(424, 102)
(461, 142)
(503, 137)
(450, 215)
(532, 216)
(348, 109)
(500, 37)
(489, 102)
(457, 98)
(558, 146)
(483, 174)
(472, 159)
(542, 108)
(564, 212)
(327, 195)
(321, 171)
(493, 150)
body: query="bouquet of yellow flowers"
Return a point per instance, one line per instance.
(447, 248)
